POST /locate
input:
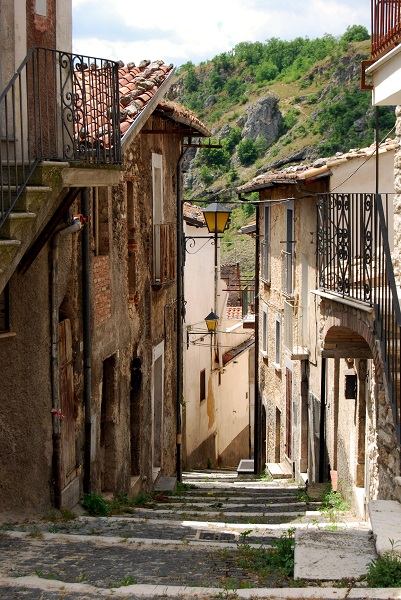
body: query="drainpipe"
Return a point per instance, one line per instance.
(257, 454)
(55, 371)
(180, 312)
(86, 326)
(322, 452)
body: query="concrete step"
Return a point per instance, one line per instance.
(385, 519)
(279, 470)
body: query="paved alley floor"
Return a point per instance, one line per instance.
(193, 544)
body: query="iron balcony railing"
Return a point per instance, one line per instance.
(58, 106)
(164, 253)
(386, 26)
(354, 261)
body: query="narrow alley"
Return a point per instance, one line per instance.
(198, 542)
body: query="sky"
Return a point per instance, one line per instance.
(180, 31)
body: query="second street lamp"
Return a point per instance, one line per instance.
(217, 217)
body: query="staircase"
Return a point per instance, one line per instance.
(55, 111)
(30, 212)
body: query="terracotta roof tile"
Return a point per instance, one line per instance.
(320, 167)
(193, 212)
(138, 84)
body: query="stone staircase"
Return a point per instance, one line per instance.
(32, 209)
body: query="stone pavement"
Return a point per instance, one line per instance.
(178, 547)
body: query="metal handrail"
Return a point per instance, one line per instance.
(58, 106)
(354, 261)
(386, 26)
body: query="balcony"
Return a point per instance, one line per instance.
(386, 26)
(57, 107)
(385, 66)
(355, 264)
(164, 253)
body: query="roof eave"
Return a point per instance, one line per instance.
(147, 111)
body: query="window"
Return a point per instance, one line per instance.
(164, 233)
(41, 8)
(265, 270)
(288, 252)
(157, 186)
(202, 385)
(264, 330)
(277, 351)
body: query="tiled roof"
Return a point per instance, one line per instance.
(138, 85)
(319, 168)
(194, 213)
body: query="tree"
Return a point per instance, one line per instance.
(247, 152)
(355, 33)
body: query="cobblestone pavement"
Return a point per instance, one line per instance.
(177, 546)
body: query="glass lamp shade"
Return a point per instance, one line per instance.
(216, 217)
(211, 322)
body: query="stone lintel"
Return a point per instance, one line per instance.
(76, 177)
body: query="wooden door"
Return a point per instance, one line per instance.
(68, 449)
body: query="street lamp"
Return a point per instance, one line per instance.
(211, 322)
(216, 216)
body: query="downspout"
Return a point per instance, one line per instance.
(257, 454)
(180, 312)
(322, 453)
(55, 371)
(377, 147)
(86, 326)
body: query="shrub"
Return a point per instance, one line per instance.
(96, 505)
(247, 152)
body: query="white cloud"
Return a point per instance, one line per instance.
(177, 34)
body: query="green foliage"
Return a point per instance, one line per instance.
(96, 505)
(267, 71)
(333, 500)
(230, 142)
(247, 152)
(128, 580)
(263, 561)
(355, 33)
(385, 571)
(191, 81)
(205, 175)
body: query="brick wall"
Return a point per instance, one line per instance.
(101, 284)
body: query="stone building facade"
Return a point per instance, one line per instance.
(325, 407)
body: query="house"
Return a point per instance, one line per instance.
(90, 238)
(217, 367)
(324, 401)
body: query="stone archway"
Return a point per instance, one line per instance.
(361, 426)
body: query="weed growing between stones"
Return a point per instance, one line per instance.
(385, 571)
(128, 580)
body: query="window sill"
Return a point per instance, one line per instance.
(276, 366)
(7, 334)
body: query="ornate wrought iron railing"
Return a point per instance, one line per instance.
(354, 261)
(386, 26)
(58, 106)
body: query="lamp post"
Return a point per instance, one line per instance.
(216, 216)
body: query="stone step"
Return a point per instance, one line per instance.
(385, 519)
(16, 225)
(279, 470)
